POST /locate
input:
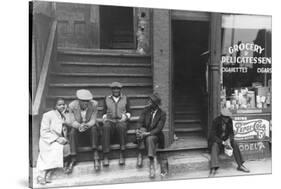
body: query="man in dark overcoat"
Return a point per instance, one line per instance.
(222, 136)
(149, 134)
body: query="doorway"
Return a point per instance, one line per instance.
(117, 27)
(190, 43)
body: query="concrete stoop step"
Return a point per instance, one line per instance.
(84, 173)
(192, 161)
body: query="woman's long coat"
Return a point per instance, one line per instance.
(50, 151)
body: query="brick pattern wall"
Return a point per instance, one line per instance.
(162, 63)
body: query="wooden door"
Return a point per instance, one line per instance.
(77, 25)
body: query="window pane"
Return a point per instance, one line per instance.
(246, 61)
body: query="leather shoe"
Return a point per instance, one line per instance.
(213, 172)
(48, 177)
(243, 169)
(164, 168)
(122, 159)
(41, 180)
(70, 167)
(151, 170)
(139, 160)
(97, 165)
(105, 161)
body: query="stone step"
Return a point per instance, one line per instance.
(135, 110)
(193, 161)
(101, 55)
(187, 116)
(195, 141)
(187, 121)
(187, 124)
(188, 129)
(57, 77)
(135, 100)
(187, 112)
(65, 89)
(103, 67)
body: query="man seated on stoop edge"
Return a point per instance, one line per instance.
(149, 135)
(116, 114)
(221, 133)
(83, 113)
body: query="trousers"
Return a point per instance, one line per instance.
(110, 129)
(217, 148)
(73, 140)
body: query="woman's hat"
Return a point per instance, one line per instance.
(155, 98)
(84, 94)
(116, 85)
(226, 112)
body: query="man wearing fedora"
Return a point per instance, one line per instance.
(116, 113)
(149, 134)
(83, 113)
(221, 133)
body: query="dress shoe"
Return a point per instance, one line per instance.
(65, 166)
(48, 177)
(243, 169)
(164, 168)
(97, 165)
(151, 170)
(70, 167)
(41, 180)
(105, 161)
(122, 159)
(213, 172)
(139, 160)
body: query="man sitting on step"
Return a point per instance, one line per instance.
(221, 133)
(116, 113)
(149, 134)
(83, 113)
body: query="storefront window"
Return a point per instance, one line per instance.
(246, 62)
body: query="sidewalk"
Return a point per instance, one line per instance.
(197, 167)
(262, 166)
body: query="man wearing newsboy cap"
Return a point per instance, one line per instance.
(116, 113)
(83, 113)
(149, 134)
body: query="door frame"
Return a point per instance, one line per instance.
(213, 96)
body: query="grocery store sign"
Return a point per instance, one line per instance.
(251, 129)
(242, 55)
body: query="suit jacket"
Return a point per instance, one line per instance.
(75, 113)
(155, 128)
(216, 131)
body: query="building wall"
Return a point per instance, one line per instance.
(162, 63)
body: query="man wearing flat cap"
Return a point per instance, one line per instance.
(83, 113)
(116, 113)
(149, 134)
(222, 136)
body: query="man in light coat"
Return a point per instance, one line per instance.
(83, 113)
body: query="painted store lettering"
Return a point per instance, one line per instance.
(245, 46)
(258, 146)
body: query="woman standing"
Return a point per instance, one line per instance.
(51, 142)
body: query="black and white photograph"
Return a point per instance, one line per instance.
(123, 94)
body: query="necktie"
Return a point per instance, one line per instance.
(151, 118)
